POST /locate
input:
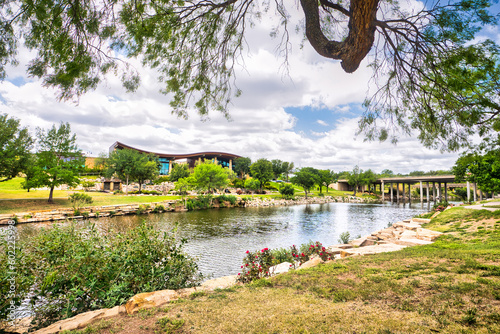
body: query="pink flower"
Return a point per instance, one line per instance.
(320, 254)
(248, 252)
(302, 254)
(239, 274)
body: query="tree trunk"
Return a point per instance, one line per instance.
(51, 194)
(353, 49)
(126, 191)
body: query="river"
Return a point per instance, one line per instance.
(218, 238)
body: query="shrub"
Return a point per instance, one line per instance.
(79, 199)
(258, 264)
(76, 270)
(158, 209)
(87, 184)
(344, 238)
(162, 179)
(227, 198)
(287, 190)
(238, 183)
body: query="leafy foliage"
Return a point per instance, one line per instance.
(59, 160)
(76, 270)
(241, 166)
(307, 178)
(286, 190)
(178, 172)
(79, 199)
(15, 145)
(208, 176)
(481, 165)
(262, 170)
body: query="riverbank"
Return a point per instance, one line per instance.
(449, 286)
(62, 214)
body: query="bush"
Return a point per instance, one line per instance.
(287, 190)
(200, 202)
(344, 238)
(158, 209)
(238, 183)
(76, 270)
(257, 264)
(161, 179)
(87, 184)
(79, 199)
(227, 198)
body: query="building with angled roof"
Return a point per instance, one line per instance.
(166, 159)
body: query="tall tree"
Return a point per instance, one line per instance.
(277, 168)
(147, 168)
(262, 170)
(307, 178)
(430, 70)
(30, 172)
(481, 165)
(325, 178)
(287, 169)
(355, 178)
(178, 171)
(368, 178)
(242, 166)
(15, 145)
(59, 160)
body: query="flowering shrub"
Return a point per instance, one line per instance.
(258, 264)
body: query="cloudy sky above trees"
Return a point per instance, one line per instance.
(305, 111)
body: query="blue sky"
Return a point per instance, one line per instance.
(308, 115)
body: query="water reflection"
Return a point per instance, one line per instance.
(219, 238)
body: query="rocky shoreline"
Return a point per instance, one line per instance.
(62, 214)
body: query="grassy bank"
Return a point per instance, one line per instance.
(451, 286)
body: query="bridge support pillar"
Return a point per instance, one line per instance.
(475, 192)
(382, 190)
(397, 192)
(439, 192)
(428, 200)
(434, 192)
(409, 193)
(468, 191)
(404, 193)
(392, 189)
(446, 192)
(421, 192)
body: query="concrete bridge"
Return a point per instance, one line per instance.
(439, 185)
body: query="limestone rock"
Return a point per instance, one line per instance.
(219, 283)
(408, 234)
(425, 234)
(281, 268)
(311, 263)
(149, 300)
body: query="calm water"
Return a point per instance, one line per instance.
(219, 238)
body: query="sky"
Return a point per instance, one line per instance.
(307, 115)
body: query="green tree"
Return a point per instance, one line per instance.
(208, 176)
(262, 170)
(178, 172)
(368, 178)
(481, 165)
(123, 164)
(242, 166)
(307, 178)
(387, 173)
(277, 168)
(59, 160)
(15, 145)
(355, 178)
(30, 172)
(325, 178)
(252, 184)
(146, 168)
(287, 168)
(430, 69)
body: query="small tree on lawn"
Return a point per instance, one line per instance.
(262, 170)
(252, 184)
(208, 176)
(307, 178)
(59, 160)
(178, 172)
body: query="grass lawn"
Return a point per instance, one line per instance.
(15, 199)
(451, 286)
